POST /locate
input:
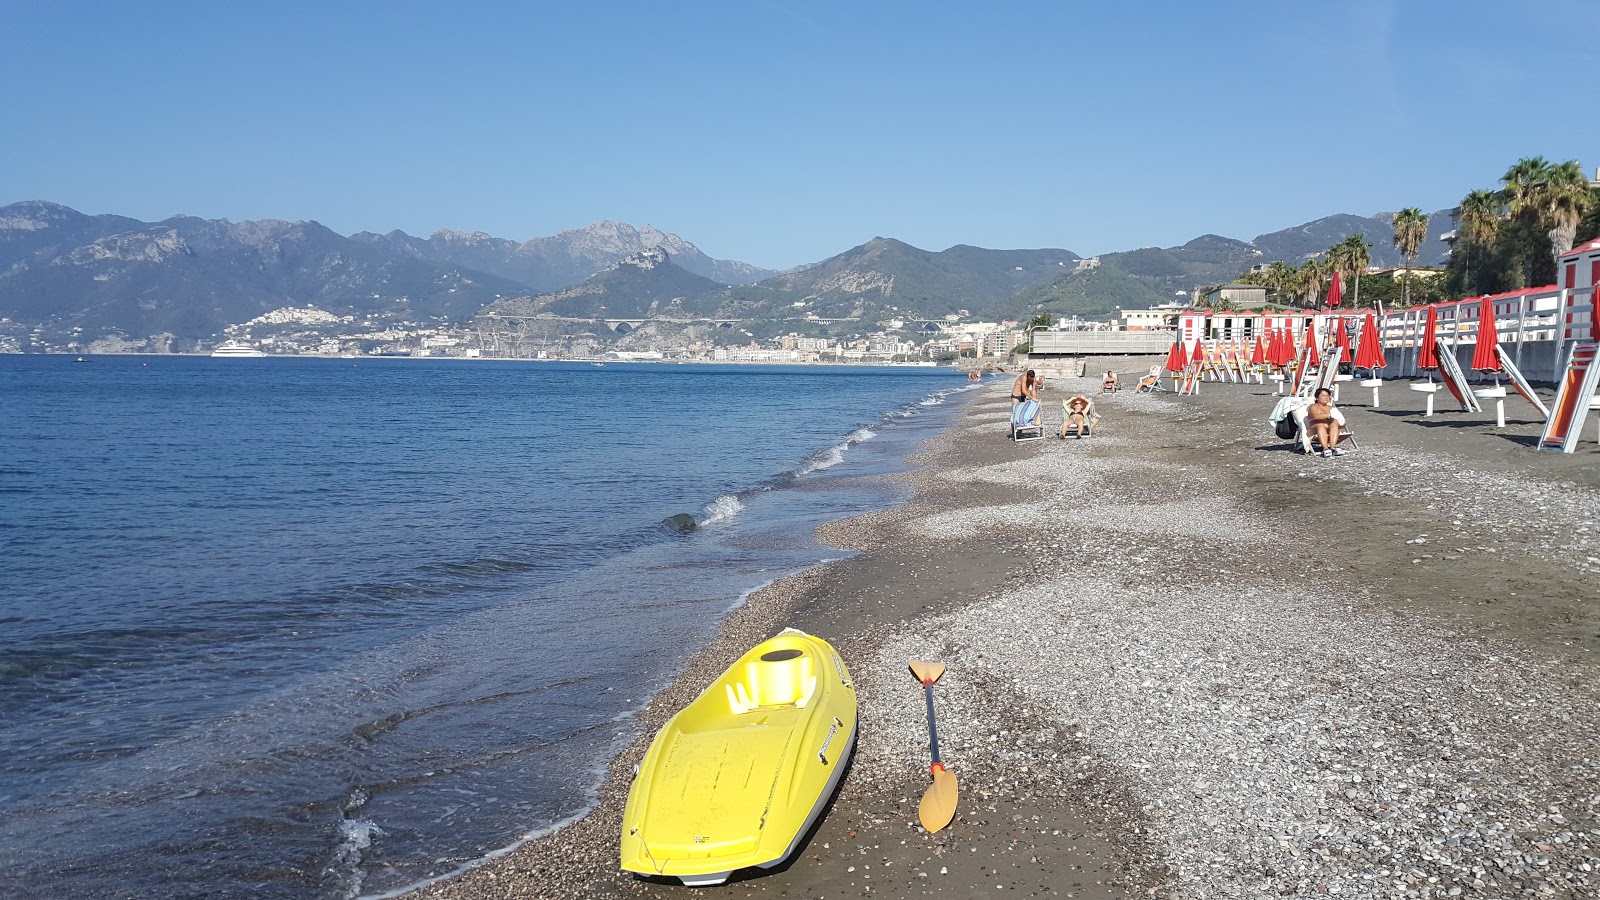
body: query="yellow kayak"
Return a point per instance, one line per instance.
(737, 777)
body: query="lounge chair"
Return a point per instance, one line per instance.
(1308, 439)
(1150, 384)
(1294, 409)
(1025, 421)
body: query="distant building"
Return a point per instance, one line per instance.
(1152, 319)
(1399, 272)
(1237, 294)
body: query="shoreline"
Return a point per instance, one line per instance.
(1184, 662)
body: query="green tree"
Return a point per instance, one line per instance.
(1523, 187)
(1309, 280)
(1410, 230)
(1479, 216)
(1280, 280)
(1351, 257)
(1565, 198)
(1476, 265)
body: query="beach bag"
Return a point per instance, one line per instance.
(1286, 428)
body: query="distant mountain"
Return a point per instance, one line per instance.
(647, 284)
(67, 278)
(35, 227)
(1295, 245)
(550, 263)
(888, 277)
(1213, 259)
(188, 278)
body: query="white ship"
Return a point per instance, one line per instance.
(236, 348)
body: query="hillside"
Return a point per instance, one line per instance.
(885, 276)
(184, 280)
(647, 284)
(67, 279)
(551, 263)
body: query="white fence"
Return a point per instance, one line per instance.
(1536, 328)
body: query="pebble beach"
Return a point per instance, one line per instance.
(1187, 662)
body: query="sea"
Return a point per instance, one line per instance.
(338, 628)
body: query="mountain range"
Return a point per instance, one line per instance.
(68, 279)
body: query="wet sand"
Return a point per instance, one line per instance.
(1185, 661)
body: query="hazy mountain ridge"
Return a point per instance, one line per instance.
(647, 284)
(556, 261)
(75, 277)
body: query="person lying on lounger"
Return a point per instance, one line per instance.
(1108, 384)
(1078, 414)
(1324, 419)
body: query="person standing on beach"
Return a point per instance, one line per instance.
(1324, 420)
(1025, 388)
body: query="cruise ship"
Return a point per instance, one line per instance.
(236, 348)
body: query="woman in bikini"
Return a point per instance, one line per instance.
(1324, 419)
(1078, 412)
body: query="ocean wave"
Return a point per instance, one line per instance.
(725, 507)
(355, 838)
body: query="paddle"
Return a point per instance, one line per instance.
(938, 805)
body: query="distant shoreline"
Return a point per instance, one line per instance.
(524, 359)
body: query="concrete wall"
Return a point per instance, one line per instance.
(1100, 343)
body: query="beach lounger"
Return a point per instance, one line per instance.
(1026, 424)
(1088, 420)
(1308, 440)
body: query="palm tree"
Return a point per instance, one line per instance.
(1351, 257)
(1480, 217)
(1479, 222)
(1566, 198)
(1309, 278)
(1280, 279)
(1410, 230)
(1521, 187)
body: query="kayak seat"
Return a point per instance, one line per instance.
(777, 679)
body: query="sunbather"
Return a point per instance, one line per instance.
(1324, 419)
(1078, 414)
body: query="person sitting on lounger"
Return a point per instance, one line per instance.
(1078, 414)
(1108, 384)
(1324, 419)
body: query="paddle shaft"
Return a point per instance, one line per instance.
(933, 730)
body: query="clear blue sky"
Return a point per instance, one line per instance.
(781, 132)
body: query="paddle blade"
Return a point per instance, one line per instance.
(927, 672)
(938, 805)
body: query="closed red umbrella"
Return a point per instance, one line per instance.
(1484, 357)
(1369, 350)
(1199, 354)
(1334, 298)
(1285, 346)
(1176, 359)
(1258, 354)
(1428, 350)
(1341, 341)
(1311, 345)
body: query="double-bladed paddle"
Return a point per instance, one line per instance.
(938, 805)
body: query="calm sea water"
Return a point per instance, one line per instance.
(331, 628)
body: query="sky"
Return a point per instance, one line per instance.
(781, 133)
